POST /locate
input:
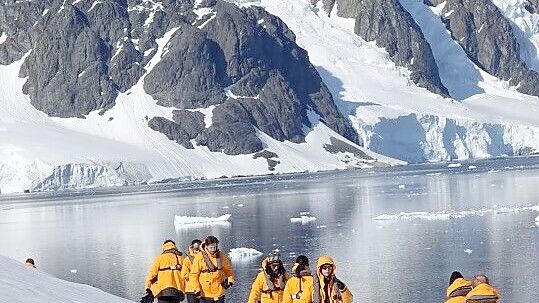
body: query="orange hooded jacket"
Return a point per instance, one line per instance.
(190, 285)
(210, 283)
(165, 271)
(335, 295)
(299, 289)
(457, 291)
(482, 293)
(260, 289)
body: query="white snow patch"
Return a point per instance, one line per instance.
(45, 12)
(3, 38)
(17, 282)
(243, 254)
(94, 5)
(207, 112)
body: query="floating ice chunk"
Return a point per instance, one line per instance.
(434, 174)
(447, 215)
(468, 251)
(537, 219)
(454, 165)
(303, 219)
(304, 213)
(243, 254)
(187, 221)
(472, 167)
(402, 186)
(73, 271)
(240, 205)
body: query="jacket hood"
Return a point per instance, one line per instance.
(458, 283)
(325, 260)
(168, 246)
(192, 252)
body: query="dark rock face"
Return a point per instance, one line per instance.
(243, 61)
(393, 28)
(488, 40)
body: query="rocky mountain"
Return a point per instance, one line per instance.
(113, 92)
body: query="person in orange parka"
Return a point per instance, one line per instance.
(458, 288)
(164, 280)
(299, 288)
(269, 284)
(190, 286)
(212, 272)
(326, 286)
(482, 292)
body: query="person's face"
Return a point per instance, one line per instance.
(195, 247)
(326, 269)
(275, 267)
(212, 248)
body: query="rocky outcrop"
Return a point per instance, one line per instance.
(488, 40)
(82, 54)
(388, 24)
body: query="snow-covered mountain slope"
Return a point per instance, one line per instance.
(393, 116)
(19, 284)
(117, 148)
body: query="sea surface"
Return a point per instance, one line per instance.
(396, 234)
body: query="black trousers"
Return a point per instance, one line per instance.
(221, 300)
(191, 298)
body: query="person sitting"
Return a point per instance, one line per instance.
(481, 291)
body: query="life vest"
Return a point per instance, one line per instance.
(209, 263)
(177, 254)
(483, 293)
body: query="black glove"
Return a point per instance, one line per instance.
(340, 284)
(227, 284)
(197, 295)
(148, 298)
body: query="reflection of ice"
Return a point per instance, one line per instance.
(243, 254)
(303, 219)
(193, 222)
(447, 215)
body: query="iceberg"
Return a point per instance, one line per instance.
(242, 254)
(303, 219)
(189, 222)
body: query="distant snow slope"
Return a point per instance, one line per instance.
(38, 152)
(19, 284)
(393, 116)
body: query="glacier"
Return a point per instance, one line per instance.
(485, 118)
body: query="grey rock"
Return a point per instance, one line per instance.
(265, 154)
(339, 146)
(185, 127)
(488, 40)
(393, 28)
(66, 70)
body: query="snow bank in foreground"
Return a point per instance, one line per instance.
(19, 284)
(243, 254)
(445, 215)
(187, 220)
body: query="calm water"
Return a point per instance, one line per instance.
(110, 238)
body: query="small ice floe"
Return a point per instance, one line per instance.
(304, 213)
(402, 186)
(321, 226)
(537, 219)
(454, 165)
(242, 254)
(225, 207)
(187, 221)
(303, 219)
(240, 205)
(73, 271)
(470, 167)
(468, 251)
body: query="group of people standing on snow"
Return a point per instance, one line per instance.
(204, 273)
